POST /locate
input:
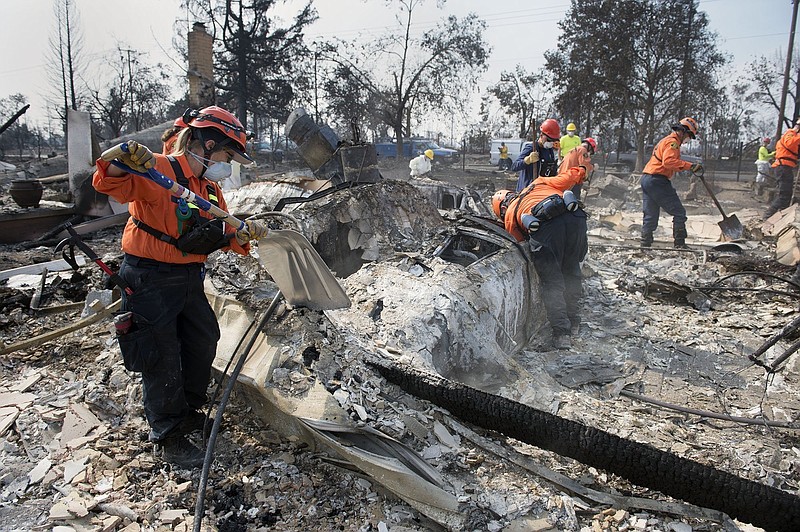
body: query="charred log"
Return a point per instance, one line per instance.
(642, 464)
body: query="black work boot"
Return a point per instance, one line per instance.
(194, 421)
(646, 240)
(177, 450)
(680, 234)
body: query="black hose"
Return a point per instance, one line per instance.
(212, 437)
(218, 387)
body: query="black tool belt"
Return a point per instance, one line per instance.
(549, 208)
(201, 239)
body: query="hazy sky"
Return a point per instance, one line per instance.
(519, 31)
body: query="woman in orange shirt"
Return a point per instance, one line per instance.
(173, 334)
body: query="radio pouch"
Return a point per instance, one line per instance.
(549, 208)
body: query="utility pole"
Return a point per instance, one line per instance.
(787, 70)
(316, 96)
(686, 56)
(130, 90)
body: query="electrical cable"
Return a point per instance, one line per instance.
(212, 438)
(709, 414)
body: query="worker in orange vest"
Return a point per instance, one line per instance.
(172, 332)
(786, 154)
(657, 189)
(550, 218)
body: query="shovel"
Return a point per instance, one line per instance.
(300, 273)
(730, 225)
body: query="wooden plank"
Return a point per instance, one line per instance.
(787, 249)
(52, 335)
(58, 265)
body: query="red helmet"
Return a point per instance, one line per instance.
(592, 143)
(221, 120)
(551, 128)
(179, 122)
(498, 200)
(689, 125)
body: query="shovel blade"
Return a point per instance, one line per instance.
(300, 273)
(731, 227)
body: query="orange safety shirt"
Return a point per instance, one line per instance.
(578, 156)
(787, 149)
(666, 159)
(153, 205)
(541, 188)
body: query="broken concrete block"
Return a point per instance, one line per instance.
(172, 516)
(444, 435)
(611, 187)
(60, 512)
(17, 399)
(110, 523)
(73, 468)
(78, 421)
(8, 414)
(36, 474)
(25, 384)
(77, 508)
(120, 481)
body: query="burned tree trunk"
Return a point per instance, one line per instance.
(642, 464)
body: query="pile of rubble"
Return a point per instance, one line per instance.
(664, 343)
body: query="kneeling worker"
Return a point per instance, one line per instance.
(421, 164)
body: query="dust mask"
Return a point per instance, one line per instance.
(548, 144)
(216, 171)
(571, 133)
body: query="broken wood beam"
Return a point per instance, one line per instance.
(52, 335)
(59, 265)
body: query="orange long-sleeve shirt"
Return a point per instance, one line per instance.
(578, 156)
(666, 158)
(787, 149)
(541, 188)
(153, 205)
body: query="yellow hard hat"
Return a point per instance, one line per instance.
(429, 154)
(571, 127)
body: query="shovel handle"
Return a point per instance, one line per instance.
(710, 193)
(167, 183)
(114, 151)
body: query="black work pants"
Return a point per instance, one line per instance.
(785, 177)
(169, 300)
(558, 248)
(659, 193)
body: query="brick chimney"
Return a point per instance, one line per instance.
(201, 67)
